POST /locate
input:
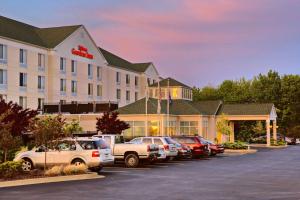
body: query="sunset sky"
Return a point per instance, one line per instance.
(198, 42)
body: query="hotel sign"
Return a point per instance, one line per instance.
(82, 51)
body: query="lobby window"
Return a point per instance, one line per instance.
(23, 102)
(74, 87)
(136, 96)
(205, 128)
(90, 89)
(137, 129)
(62, 65)
(99, 73)
(62, 102)
(3, 77)
(154, 128)
(23, 57)
(41, 83)
(128, 96)
(127, 79)
(118, 94)
(3, 53)
(41, 102)
(118, 78)
(63, 86)
(23, 80)
(74, 67)
(41, 61)
(172, 128)
(90, 71)
(189, 128)
(99, 90)
(136, 81)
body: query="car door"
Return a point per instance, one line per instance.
(65, 153)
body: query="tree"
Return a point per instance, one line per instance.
(259, 129)
(206, 93)
(73, 127)
(110, 124)
(223, 127)
(48, 132)
(294, 132)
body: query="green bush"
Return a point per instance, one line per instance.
(10, 169)
(235, 145)
(278, 143)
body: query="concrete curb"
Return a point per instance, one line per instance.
(240, 151)
(50, 180)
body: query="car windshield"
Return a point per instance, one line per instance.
(170, 141)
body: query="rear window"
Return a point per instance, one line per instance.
(186, 140)
(90, 145)
(170, 141)
(147, 140)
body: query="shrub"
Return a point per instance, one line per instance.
(278, 143)
(10, 169)
(66, 170)
(235, 145)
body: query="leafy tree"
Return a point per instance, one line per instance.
(73, 127)
(223, 127)
(110, 124)
(259, 128)
(206, 93)
(48, 132)
(235, 91)
(294, 132)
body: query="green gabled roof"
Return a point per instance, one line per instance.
(246, 109)
(117, 61)
(178, 107)
(43, 37)
(172, 83)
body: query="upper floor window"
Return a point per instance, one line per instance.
(23, 80)
(73, 67)
(23, 57)
(99, 90)
(62, 64)
(3, 53)
(63, 85)
(41, 82)
(99, 73)
(90, 71)
(118, 78)
(127, 79)
(41, 61)
(3, 77)
(118, 94)
(90, 89)
(136, 81)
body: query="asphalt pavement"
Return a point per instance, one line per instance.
(267, 174)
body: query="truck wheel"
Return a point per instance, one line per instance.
(131, 161)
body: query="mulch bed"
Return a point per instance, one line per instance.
(36, 173)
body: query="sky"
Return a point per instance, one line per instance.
(198, 42)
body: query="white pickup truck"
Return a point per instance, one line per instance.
(132, 154)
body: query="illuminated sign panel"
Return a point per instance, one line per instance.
(83, 52)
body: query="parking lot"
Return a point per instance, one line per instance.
(268, 174)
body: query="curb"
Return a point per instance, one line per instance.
(56, 179)
(246, 151)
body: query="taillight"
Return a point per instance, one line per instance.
(95, 154)
(148, 148)
(166, 146)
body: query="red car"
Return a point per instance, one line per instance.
(194, 143)
(213, 148)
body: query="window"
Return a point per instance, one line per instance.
(41, 103)
(41, 61)
(73, 67)
(3, 53)
(99, 73)
(189, 128)
(147, 140)
(127, 95)
(3, 77)
(63, 65)
(172, 128)
(118, 94)
(136, 81)
(99, 90)
(136, 96)
(3, 96)
(41, 82)
(63, 85)
(90, 89)
(118, 78)
(23, 80)
(74, 87)
(127, 79)
(62, 101)
(154, 128)
(137, 129)
(23, 102)
(148, 81)
(205, 128)
(158, 141)
(90, 71)
(23, 57)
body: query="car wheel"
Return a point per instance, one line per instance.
(27, 165)
(131, 161)
(78, 162)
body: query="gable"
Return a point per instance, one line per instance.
(151, 71)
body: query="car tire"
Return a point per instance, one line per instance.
(131, 160)
(96, 169)
(78, 162)
(27, 165)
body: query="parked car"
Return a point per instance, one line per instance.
(131, 153)
(194, 143)
(292, 141)
(166, 143)
(93, 152)
(214, 149)
(183, 151)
